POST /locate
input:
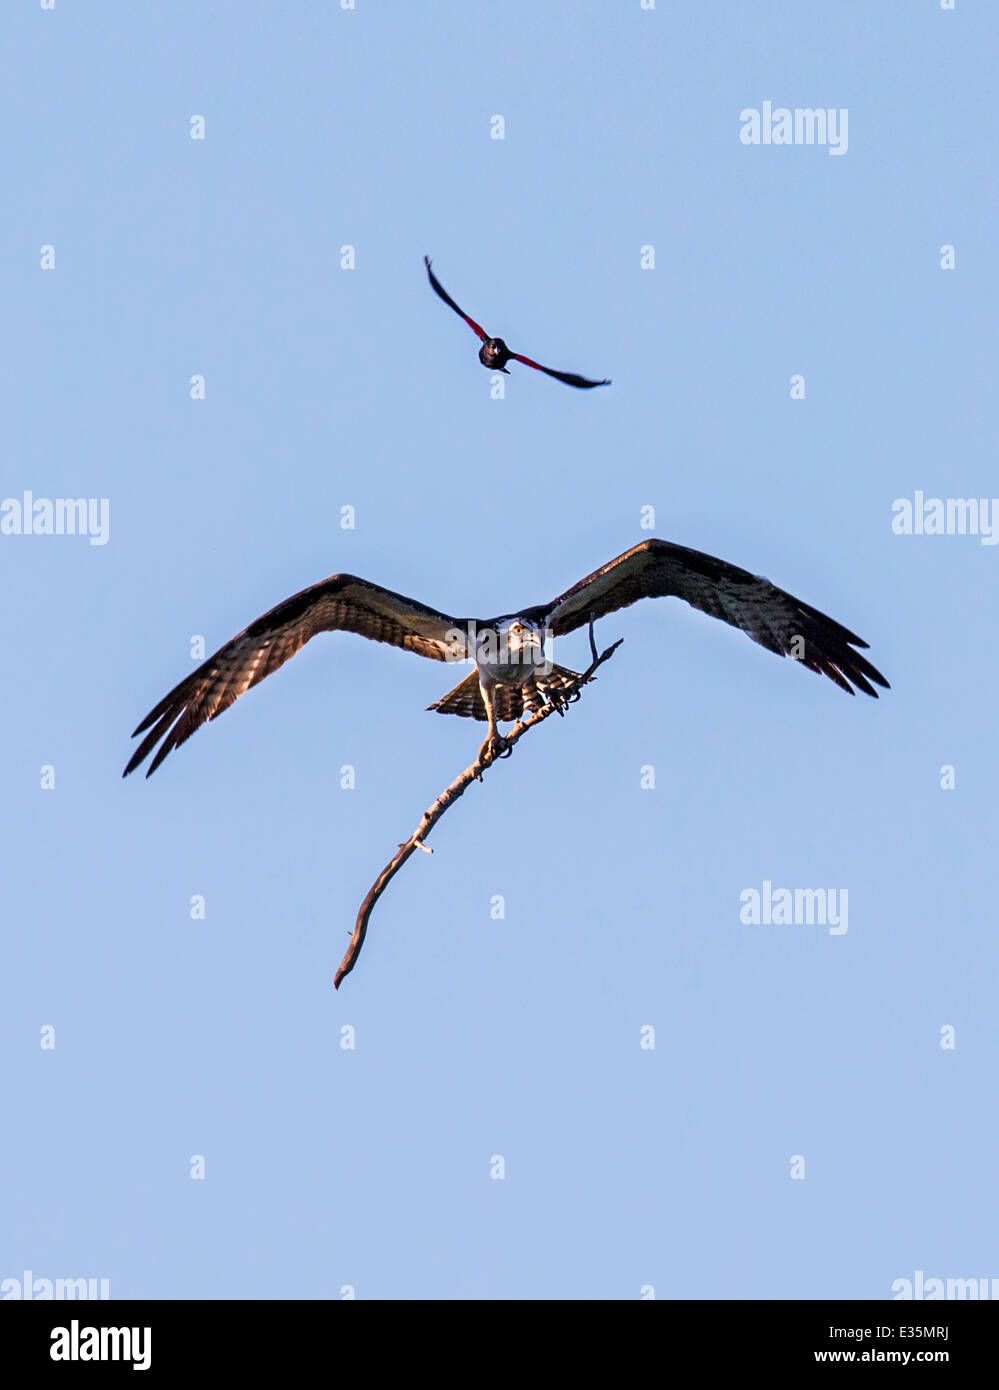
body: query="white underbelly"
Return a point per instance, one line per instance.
(507, 672)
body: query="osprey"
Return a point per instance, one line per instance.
(512, 674)
(494, 353)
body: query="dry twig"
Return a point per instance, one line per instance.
(447, 798)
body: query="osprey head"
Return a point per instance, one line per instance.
(511, 649)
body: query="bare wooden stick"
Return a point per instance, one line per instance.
(447, 798)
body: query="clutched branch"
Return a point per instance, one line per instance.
(450, 795)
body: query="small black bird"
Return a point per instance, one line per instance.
(494, 353)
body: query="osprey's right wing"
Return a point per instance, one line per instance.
(342, 603)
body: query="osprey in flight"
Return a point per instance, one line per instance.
(494, 353)
(512, 674)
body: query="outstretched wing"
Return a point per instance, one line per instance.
(342, 603)
(442, 292)
(777, 620)
(570, 378)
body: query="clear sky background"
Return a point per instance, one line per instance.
(624, 1167)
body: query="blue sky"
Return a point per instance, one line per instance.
(625, 1167)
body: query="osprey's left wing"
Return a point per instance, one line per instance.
(776, 619)
(342, 603)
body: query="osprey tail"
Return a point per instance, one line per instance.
(512, 701)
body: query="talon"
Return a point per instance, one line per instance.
(554, 700)
(493, 748)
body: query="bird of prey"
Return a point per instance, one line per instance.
(494, 353)
(512, 674)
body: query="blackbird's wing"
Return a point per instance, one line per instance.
(442, 293)
(570, 378)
